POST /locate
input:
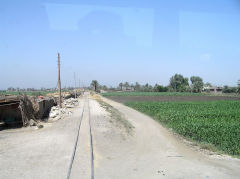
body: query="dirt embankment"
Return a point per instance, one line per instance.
(124, 99)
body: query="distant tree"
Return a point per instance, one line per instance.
(208, 84)
(186, 83)
(160, 88)
(238, 90)
(132, 86)
(197, 83)
(150, 88)
(10, 89)
(95, 84)
(227, 89)
(111, 88)
(137, 86)
(155, 88)
(121, 86)
(104, 87)
(146, 87)
(31, 89)
(126, 85)
(178, 83)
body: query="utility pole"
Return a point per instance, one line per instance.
(59, 83)
(75, 85)
(79, 84)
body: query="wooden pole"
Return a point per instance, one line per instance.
(75, 85)
(59, 83)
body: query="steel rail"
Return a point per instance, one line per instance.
(76, 142)
(91, 142)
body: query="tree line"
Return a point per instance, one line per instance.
(177, 83)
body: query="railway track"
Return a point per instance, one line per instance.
(88, 154)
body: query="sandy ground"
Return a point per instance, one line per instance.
(148, 151)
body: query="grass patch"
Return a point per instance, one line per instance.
(214, 124)
(207, 146)
(153, 94)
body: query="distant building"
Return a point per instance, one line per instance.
(103, 91)
(213, 89)
(129, 88)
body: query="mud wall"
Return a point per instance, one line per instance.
(18, 110)
(44, 108)
(10, 115)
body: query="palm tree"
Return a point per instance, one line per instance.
(121, 85)
(126, 84)
(94, 84)
(137, 86)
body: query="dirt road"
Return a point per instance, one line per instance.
(154, 152)
(146, 151)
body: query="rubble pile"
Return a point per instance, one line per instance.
(19, 110)
(57, 113)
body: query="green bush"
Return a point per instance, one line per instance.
(227, 89)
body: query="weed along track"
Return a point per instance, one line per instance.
(82, 160)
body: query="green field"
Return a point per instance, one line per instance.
(152, 94)
(216, 123)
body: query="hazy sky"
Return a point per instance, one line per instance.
(114, 41)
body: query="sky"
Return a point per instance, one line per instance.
(145, 41)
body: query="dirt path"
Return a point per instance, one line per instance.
(146, 151)
(153, 152)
